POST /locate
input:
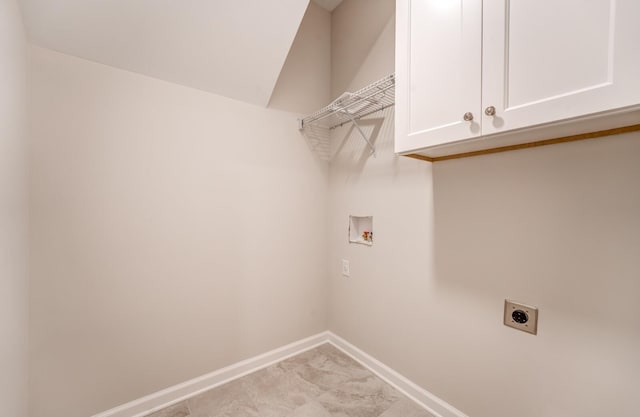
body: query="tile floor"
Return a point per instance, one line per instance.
(322, 382)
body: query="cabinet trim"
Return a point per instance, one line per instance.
(553, 141)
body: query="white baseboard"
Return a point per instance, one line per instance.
(172, 395)
(430, 402)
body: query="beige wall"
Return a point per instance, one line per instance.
(357, 28)
(557, 227)
(174, 232)
(13, 213)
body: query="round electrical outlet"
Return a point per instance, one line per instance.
(520, 316)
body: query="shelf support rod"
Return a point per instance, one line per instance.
(353, 120)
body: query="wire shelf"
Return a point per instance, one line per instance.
(348, 108)
(353, 106)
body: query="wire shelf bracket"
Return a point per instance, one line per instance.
(350, 107)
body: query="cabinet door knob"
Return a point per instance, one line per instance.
(490, 111)
(468, 116)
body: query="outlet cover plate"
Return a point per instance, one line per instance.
(521, 316)
(346, 269)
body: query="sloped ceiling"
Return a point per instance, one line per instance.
(235, 48)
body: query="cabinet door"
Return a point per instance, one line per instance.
(438, 64)
(550, 60)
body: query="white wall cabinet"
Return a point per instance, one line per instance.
(466, 69)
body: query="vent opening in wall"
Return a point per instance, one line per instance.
(361, 230)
